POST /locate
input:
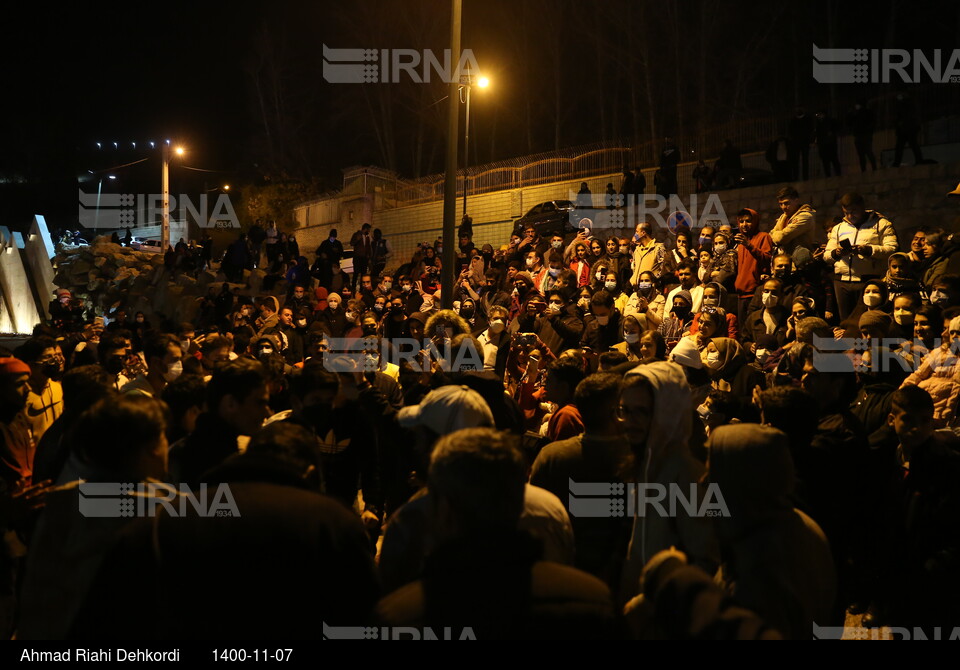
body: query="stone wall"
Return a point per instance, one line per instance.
(909, 196)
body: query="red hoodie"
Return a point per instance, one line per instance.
(753, 258)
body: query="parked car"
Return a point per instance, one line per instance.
(151, 246)
(553, 216)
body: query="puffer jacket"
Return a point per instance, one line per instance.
(796, 231)
(939, 375)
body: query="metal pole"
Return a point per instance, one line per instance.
(449, 257)
(165, 205)
(466, 148)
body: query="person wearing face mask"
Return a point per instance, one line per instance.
(794, 284)
(611, 285)
(334, 315)
(163, 354)
(559, 325)
(905, 308)
(45, 400)
(410, 295)
(770, 320)
(647, 302)
(726, 363)
(473, 317)
(630, 347)
(353, 309)
(945, 291)
(496, 341)
(523, 290)
(551, 275)
(858, 248)
(873, 297)
(723, 265)
(602, 328)
(676, 324)
(714, 297)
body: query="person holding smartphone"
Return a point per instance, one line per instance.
(858, 247)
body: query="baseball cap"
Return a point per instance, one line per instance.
(448, 409)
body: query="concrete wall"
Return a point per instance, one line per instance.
(38, 251)
(19, 311)
(910, 195)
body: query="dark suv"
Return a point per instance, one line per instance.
(553, 216)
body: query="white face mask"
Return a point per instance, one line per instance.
(496, 326)
(406, 288)
(939, 297)
(710, 300)
(762, 356)
(531, 262)
(610, 285)
(902, 316)
(631, 338)
(599, 276)
(644, 286)
(603, 320)
(871, 300)
(556, 244)
(387, 285)
(334, 305)
(302, 323)
(713, 359)
(351, 316)
(720, 248)
(554, 272)
(173, 371)
(770, 300)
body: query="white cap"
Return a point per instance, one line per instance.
(686, 354)
(448, 409)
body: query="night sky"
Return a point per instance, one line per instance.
(240, 84)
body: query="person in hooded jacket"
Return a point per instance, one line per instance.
(657, 414)
(776, 559)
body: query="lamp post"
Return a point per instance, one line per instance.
(165, 204)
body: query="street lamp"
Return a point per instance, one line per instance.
(466, 83)
(165, 206)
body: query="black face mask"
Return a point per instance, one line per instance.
(467, 312)
(113, 365)
(681, 312)
(370, 330)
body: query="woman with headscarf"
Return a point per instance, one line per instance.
(728, 368)
(631, 347)
(715, 296)
(334, 315)
(677, 321)
(873, 296)
(900, 277)
(647, 302)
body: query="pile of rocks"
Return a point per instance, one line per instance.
(106, 274)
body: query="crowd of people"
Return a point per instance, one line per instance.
(395, 462)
